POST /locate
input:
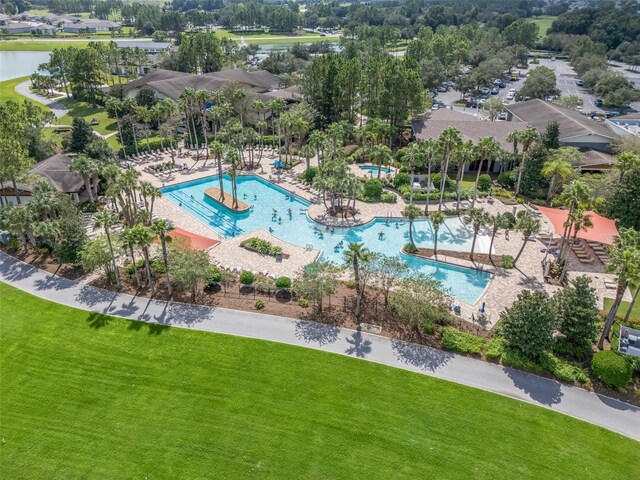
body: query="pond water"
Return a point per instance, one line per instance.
(20, 64)
(285, 216)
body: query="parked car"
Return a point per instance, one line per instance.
(510, 95)
(502, 116)
(579, 83)
(485, 90)
(435, 107)
(598, 102)
(494, 91)
(502, 84)
(553, 59)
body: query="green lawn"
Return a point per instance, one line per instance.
(544, 22)
(622, 311)
(8, 92)
(89, 396)
(39, 45)
(105, 125)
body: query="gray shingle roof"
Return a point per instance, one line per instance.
(56, 170)
(539, 114)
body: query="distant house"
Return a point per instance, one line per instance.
(92, 26)
(151, 48)
(576, 130)
(4, 19)
(34, 28)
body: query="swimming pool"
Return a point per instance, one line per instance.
(286, 215)
(374, 169)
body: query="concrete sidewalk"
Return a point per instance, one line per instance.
(597, 409)
(58, 109)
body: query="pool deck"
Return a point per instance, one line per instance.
(501, 292)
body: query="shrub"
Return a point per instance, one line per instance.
(514, 358)
(304, 303)
(427, 327)
(484, 183)
(309, 174)
(157, 265)
(259, 305)
(453, 339)
(410, 248)
(612, 368)
(283, 282)
(129, 270)
(401, 180)
(506, 180)
(507, 261)
(261, 246)
(351, 283)
(247, 278)
(388, 197)
(14, 243)
(372, 189)
(448, 183)
(563, 370)
(213, 276)
(495, 348)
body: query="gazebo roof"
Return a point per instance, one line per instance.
(603, 230)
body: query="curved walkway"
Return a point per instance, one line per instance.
(597, 409)
(58, 109)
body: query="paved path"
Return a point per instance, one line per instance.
(597, 409)
(58, 109)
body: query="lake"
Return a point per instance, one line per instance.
(20, 64)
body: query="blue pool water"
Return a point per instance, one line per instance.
(286, 215)
(374, 169)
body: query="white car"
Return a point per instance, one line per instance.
(502, 116)
(512, 90)
(511, 95)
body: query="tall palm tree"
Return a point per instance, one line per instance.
(160, 228)
(413, 157)
(380, 155)
(558, 171)
(411, 212)
(187, 103)
(129, 241)
(527, 138)
(431, 149)
(578, 220)
(116, 106)
(625, 263)
(307, 151)
(202, 97)
(106, 220)
(437, 219)
(88, 169)
(487, 149)
(355, 255)
(142, 115)
(464, 154)
(218, 150)
(143, 238)
(450, 141)
(625, 162)
(477, 218)
(575, 195)
(528, 225)
(317, 140)
(234, 158)
(496, 222)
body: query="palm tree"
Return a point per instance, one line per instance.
(106, 219)
(528, 225)
(317, 140)
(573, 196)
(116, 106)
(238, 96)
(437, 219)
(464, 154)
(496, 222)
(431, 148)
(527, 138)
(142, 115)
(307, 151)
(356, 254)
(578, 220)
(218, 150)
(625, 263)
(187, 102)
(202, 97)
(414, 157)
(477, 218)
(234, 158)
(558, 171)
(143, 238)
(411, 212)
(380, 155)
(487, 149)
(88, 169)
(161, 228)
(625, 162)
(129, 242)
(449, 141)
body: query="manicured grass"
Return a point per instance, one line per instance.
(105, 125)
(39, 45)
(8, 91)
(88, 396)
(544, 22)
(622, 311)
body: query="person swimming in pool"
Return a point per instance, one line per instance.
(270, 230)
(380, 235)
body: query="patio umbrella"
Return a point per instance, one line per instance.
(278, 164)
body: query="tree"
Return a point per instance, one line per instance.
(143, 237)
(420, 301)
(317, 280)
(107, 220)
(527, 138)
(496, 222)
(413, 157)
(540, 83)
(411, 212)
(380, 155)
(551, 136)
(528, 225)
(558, 171)
(477, 218)
(96, 254)
(88, 169)
(388, 271)
(625, 263)
(578, 314)
(81, 135)
(494, 107)
(623, 203)
(355, 255)
(129, 242)
(529, 323)
(189, 268)
(450, 140)
(570, 101)
(160, 228)
(437, 219)
(218, 150)
(464, 154)
(625, 162)
(487, 149)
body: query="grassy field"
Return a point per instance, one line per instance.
(85, 110)
(39, 45)
(622, 311)
(544, 22)
(8, 92)
(89, 396)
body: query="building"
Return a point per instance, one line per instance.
(34, 28)
(150, 48)
(56, 171)
(576, 130)
(92, 26)
(625, 124)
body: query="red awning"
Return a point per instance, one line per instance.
(192, 240)
(603, 230)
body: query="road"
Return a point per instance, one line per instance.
(582, 404)
(58, 109)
